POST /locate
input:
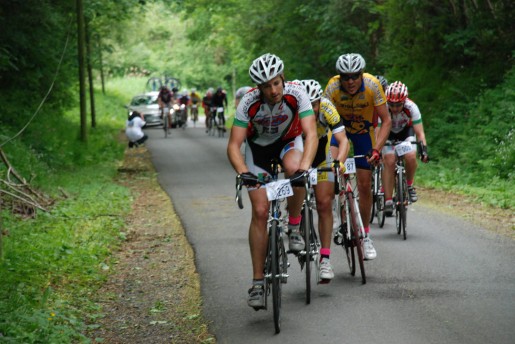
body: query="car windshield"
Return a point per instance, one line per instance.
(144, 100)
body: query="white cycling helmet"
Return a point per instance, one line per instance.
(265, 68)
(241, 91)
(350, 63)
(313, 89)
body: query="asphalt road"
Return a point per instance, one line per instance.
(449, 282)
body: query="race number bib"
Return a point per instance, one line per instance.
(313, 177)
(279, 189)
(350, 166)
(403, 148)
(219, 109)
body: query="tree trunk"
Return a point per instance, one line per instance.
(90, 77)
(81, 36)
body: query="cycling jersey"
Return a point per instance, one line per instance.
(328, 118)
(409, 115)
(266, 123)
(357, 111)
(194, 98)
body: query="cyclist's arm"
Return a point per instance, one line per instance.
(419, 131)
(309, 129)
(343, 146)
(238, 136)
(386, 125)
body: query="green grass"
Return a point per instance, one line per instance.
(53, 264)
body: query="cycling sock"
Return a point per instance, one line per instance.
(294, 220)
(258, 282)
(367, 230)
(389, 199)
(325, 253)
(410, 182)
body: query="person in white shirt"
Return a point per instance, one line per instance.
(133, 130)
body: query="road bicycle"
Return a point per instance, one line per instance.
(276, 262)
(221, 121)
(377, 196)
(211, 123)
(311, 253)
(351, 232)
(194, 114)
(401, 197)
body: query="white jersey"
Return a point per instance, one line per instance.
(133, 129)
(266, 123)
(409, 115)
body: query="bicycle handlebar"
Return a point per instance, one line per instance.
(266, 180)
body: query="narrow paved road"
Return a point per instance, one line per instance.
(450, 282)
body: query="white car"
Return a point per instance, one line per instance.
(147, 105)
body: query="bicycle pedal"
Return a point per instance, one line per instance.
(258, 308)
(324, 281)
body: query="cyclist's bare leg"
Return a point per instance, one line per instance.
(365, 194)
(258, 235)
(388, 175)
(291, 163)
(324, 194)
(411, 165)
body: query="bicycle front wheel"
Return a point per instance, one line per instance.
(399, 200)
(346, 240)
(374, 197)
(404, 206)
(306, 227)
(276, 275)
(165, 125)
(356, 234)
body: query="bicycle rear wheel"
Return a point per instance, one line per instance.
(356, 235)
(276, 275)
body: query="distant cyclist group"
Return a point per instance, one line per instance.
(304, 127)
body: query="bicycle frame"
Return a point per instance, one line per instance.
(276, 262)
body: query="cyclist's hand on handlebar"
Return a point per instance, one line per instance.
(298, 178)
(249, 179)
(340, 165)
(424, 157)
(373, 157)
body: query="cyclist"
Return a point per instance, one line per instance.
(194, 102)
(329, 124)
(183, 101)
(165, 100)
(271, 120)
(220, 101)
(406, 123)
(359, 98)
(206, 104)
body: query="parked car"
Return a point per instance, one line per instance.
(147, 105)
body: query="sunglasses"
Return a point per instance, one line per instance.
(347, 77)
(395, 104)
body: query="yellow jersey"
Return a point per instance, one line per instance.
(357, 111)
